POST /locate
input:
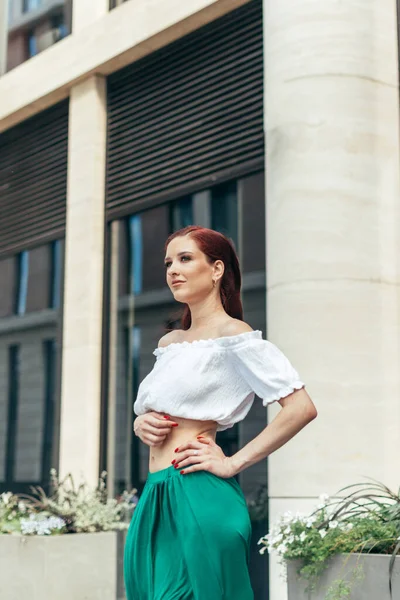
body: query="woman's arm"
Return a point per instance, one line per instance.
(297, 411)
(203, 454)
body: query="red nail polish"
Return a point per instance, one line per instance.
(199, 437)
(176, 466)
(173, 462)
(176, 449)
(175, 424)
(166, 417)
(182, 472)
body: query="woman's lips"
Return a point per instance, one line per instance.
(177, 283)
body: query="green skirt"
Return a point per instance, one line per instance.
(189, 539)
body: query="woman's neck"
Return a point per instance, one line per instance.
(207, 315)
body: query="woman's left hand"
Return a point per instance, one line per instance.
(203, 454)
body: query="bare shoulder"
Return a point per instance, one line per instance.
(170, 338)
(235, 327)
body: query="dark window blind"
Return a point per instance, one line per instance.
(188, 115)
(33, 180)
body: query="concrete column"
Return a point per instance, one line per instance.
(83, 291)
(333, 251)
(86, 12)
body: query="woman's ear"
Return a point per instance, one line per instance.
(219, 269)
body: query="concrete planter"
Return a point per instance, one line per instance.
(373, 586)
(81, 566)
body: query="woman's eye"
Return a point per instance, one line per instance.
(168, 264)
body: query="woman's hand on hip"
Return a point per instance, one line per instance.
(203, 454)
(153, 427)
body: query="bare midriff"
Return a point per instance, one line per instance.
(186, 431)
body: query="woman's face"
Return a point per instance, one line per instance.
(189, 274)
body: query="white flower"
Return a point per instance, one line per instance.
(310, 522)
(287, 530)
(333, 524)
(6, 497)
(282, 549)
(323, 533)
(263, 550)
(290, 539)
(324, 498)
(262, 540)
(41, 526)
(21, 507)
(303, 536)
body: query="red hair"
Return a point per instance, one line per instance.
(216, 246)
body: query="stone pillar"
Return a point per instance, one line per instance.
(333, 251)
(83, 291)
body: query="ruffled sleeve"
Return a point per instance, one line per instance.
(265, 368)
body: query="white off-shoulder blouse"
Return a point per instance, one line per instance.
(216, 379)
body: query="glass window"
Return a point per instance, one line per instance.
(10, 11)
(29, 5)
(30, 366)
(13, 397)
(22, 282)
(49, 371)
(135, 254)
(181, 213)
(59, 22)
(55, 276)
(136, 342)
(32, 44)
(224, 210)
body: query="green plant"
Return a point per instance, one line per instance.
(365, 520)
(67, 509)
(11, 511)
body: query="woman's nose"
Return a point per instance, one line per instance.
(173, 270)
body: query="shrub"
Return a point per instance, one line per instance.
(366, 520)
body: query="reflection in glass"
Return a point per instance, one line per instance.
(181, 213)
(224, 210)
(13, 397)
(29, 366)
(136, 339)
(49, 368)
(29, 5)
(135, 254)
(22, 282)
(32, 44)
(55, 276)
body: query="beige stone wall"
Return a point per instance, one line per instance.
(83, 286)
(86, 12)
(333, 230)
(100, 45)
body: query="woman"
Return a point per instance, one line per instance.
(190, 532)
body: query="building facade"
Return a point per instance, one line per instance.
(275, 123)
